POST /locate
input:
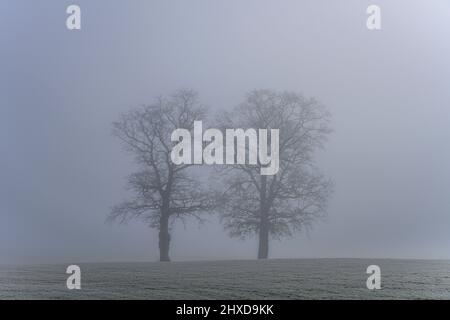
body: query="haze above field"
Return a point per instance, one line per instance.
(388, 91)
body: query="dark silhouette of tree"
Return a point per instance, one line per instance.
(162, 190)
(273, 206)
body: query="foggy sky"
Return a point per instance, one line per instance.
(61, 170)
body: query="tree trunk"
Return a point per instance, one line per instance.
(263, 248)
(164, 236)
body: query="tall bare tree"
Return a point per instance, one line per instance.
(162, 191)
(281, 204)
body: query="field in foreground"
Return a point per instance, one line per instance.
(271, 279)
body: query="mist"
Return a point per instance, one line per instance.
(62, 170)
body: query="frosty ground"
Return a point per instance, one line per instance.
(270, 279)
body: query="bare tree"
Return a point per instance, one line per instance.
(162, 191)
(281, 204)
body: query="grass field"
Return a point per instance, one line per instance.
(271, 279)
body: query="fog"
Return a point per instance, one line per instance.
(61, 170)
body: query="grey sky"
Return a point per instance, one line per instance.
(61, 169)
